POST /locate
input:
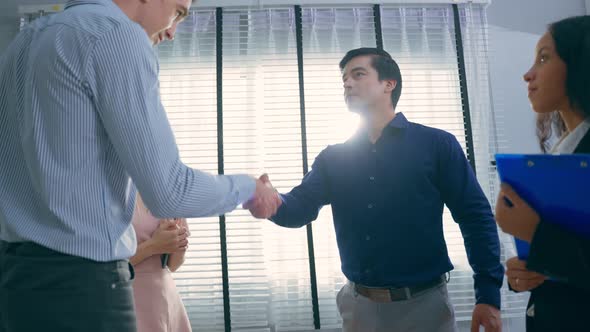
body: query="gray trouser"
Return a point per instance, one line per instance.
(429, 311)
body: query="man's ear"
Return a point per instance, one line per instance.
(390, 85)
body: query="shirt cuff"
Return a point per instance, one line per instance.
(280, 217)
(245, 186)
(487, 292)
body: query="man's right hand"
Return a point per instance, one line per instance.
(266, 200)
(521, 279)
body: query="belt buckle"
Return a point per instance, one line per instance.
(380, 295)
(399, 294)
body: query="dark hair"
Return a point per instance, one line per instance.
(383, 63)
(547, 125)
(572, 43)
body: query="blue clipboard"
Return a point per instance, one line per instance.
(556, 186)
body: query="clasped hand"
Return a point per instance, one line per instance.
(171, 236)
(266, 200)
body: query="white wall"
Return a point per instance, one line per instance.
(532, 15)
(8, 23)
(512, 43)
(8, 29)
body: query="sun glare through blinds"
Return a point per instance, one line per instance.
(268, 265)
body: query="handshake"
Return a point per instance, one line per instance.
(266, 200)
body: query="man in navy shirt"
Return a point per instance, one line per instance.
(387, 186)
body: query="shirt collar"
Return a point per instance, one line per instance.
(569, 142)
(399, 122)
(73, 3)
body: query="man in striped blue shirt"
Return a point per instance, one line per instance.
(81, 126)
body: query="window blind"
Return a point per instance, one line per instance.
(269, 280)
(188, 90)
(268, 285)
(487, 135)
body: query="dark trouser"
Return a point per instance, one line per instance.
(43, 290)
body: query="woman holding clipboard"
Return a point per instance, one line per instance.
(557, 271)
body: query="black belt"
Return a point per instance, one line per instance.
(397, 294)
(31, 248)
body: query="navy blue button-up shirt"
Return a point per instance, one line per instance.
(387, 201)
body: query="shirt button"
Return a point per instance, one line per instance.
(115, 211)
(374, 150)
(368, 238)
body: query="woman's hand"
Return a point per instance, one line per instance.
(514, 215)
(521, 279)
(177, 258)
(169, 237)
(182, 224)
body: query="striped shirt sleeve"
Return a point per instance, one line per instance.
(122, 77)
